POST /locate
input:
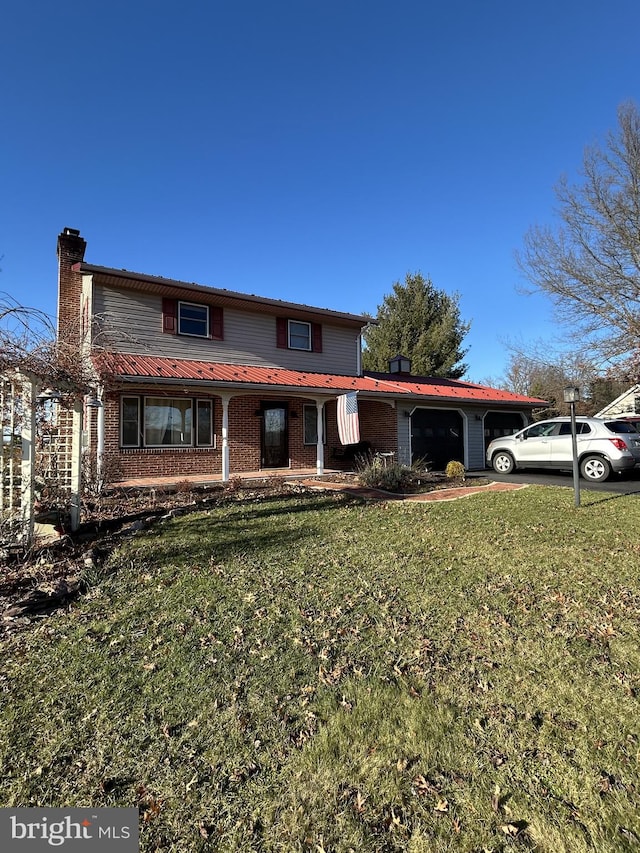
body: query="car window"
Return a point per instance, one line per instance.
(581, 429)
(538, 430)
(620, 426)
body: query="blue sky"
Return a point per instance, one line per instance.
(313, 152)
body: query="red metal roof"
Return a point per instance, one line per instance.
(146, 367)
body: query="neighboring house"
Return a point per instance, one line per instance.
(626, 405)
(204, 381)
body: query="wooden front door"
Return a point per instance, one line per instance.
(275, 436)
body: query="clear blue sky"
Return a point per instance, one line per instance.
(314, 152)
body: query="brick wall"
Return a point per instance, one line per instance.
(244, 439)
(378, 426)
(71, 249)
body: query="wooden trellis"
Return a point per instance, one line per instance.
(41, 456)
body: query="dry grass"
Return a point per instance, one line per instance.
(307, 673)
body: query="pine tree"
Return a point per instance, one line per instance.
(422, 323)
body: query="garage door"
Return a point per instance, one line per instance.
(497, 424)
(437, 436)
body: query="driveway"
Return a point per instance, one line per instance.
(626, 485)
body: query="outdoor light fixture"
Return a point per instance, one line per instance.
(572, 396)
(91, 401)
(399, 364)
(49, 395)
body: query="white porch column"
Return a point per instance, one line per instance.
(100, 441)
(27, 473)
(320, 444)
(76, 463)
(225, 437)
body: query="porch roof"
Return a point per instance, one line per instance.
(134, 367)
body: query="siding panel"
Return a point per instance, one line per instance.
(133, 322)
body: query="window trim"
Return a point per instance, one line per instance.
(196, 438)
(306, 406)
(194, 402)
(139, 437)
(200, 306)
(306, 323)
(144, 421)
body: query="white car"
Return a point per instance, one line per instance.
(604, 445)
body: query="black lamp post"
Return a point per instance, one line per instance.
(572, 396)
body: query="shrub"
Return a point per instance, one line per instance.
(376, 473)
(454, 470)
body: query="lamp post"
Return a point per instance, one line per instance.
(572, 396)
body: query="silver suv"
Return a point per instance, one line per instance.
(604, 445)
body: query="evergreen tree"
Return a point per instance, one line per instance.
(422, 323)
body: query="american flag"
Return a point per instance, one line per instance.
(348, 424)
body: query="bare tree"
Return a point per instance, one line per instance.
(28, 343)
(590, 264)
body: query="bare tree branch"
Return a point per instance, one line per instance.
(590, 264)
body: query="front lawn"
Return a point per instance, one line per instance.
(311, 673)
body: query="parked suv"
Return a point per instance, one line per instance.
(604, 445)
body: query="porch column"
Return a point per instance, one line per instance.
(76, 463)
(27, 473)
(320, 444)
(225, 437)
(100, 441)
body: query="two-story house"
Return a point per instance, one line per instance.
(197, 380)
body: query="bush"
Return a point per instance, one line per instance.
(454, 470)
(376, 473)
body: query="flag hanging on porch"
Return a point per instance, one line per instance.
(348, 424)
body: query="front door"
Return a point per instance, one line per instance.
(275, 437)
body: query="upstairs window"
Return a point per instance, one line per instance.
(299, 335)
(193, 319)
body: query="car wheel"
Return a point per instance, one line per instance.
(595, 468)
(503, 462)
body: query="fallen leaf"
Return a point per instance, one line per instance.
(360, 802)
(441, 806)
(512, 829)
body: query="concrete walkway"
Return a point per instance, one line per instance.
(306, 478)
(441, 494)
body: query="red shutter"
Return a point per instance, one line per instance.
(281, 333)
(316, 337)
(169, 316)
(216, 327)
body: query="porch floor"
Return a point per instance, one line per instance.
(158, 482)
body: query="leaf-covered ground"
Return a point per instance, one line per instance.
(310, 673)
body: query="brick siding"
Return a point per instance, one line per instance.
(71, 249)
